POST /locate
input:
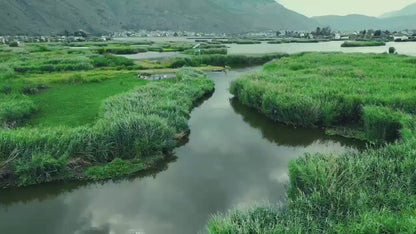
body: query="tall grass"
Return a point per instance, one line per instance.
(362, 43)
(223, 60)
(14, 109)
(371, 93)
(207, 51)
(357, 192)
(111, 61)
(140, 123)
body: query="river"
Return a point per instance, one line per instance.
(234, 157)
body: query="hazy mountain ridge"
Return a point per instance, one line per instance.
(360, 22)
(397, 20)
(98, 16)
(406, 11)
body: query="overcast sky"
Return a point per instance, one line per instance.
(344, 7)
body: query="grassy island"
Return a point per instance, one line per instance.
(364, 95)
(132, 130)
(70, 114)
(362, 43)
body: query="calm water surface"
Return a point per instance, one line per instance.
(406, 48)
(151, 55)
(234, 157)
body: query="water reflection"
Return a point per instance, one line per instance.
(286, 135)
(45, 192)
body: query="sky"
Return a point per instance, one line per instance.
(344, 7)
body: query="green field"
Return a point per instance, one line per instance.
(75, 105)
(365, 95)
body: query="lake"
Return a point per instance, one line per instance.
(234, 157)
(405, 48)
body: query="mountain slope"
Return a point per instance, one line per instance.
(360, 22)
(98, 16)
(349, 22)
(406, 11)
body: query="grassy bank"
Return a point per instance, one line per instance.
(357, 192)
(223, 60)
(131, 128)
(69, 114)
(362, 43)
(207, 51)
(370, 94)
(283, 41)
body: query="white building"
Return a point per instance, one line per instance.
(401, 38)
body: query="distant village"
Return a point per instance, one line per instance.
(319, 34)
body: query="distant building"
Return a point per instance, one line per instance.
(401, 38)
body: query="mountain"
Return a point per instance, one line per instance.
(360, 22)
(348, 22)
(99, 16)
(406, 11)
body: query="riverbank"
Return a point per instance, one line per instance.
(345, 91)
(370, 191)
(133, 130)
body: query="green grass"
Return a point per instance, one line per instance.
(369, 192)
(64, 111)
(140, 123)
(78, 104)
(207, 51)
(116, 169)
(284, 41)
(371, 93)
(362, 43)
(222, 60)
(373, 191)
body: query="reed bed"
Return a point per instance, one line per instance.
(357, 192)
(135, 125)
(362, 43)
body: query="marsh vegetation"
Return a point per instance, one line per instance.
(58, 124)
(79, 112)
(363, 43)
(360, 95)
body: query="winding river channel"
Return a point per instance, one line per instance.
(234, 157)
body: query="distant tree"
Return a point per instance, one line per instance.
(392, 50)
(278, 33)
(318, 31)
(322, 31)
(377, 33)
(370, 32)
(81, 33)
(326, 31)
(14, 44)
